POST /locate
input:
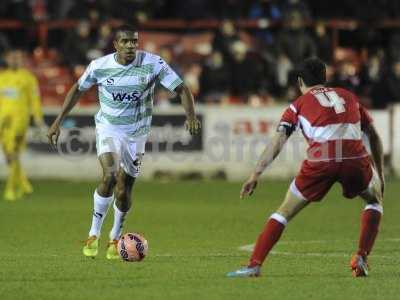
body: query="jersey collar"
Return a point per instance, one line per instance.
(134, 63)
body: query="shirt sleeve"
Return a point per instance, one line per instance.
(87, 80)
(167, 77)
(365, 117)
(289, 120)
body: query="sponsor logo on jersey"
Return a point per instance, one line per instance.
(97, 214)
(11, 93)
(134, 96)
(110, 81)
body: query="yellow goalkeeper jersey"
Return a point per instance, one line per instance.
(19, 96)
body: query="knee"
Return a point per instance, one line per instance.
(379, 199)
(373, 198)
(376, 201)
(10, 157)
(110, 179)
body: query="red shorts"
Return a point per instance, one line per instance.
(317, 177)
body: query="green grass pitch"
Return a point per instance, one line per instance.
(194, 231)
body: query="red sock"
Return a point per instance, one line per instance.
(370, 219)
(266, 240)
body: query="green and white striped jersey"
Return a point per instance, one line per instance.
(126, 92)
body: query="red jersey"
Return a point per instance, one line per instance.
(331, 120)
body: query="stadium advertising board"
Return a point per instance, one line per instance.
(168, 135)
(231, 140)
(78, 136)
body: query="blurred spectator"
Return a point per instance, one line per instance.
(372, 72)
(246, 73)
(294, 42)
(94, 15)
(39, 9)
(192, 78)
(4, 44)
(268, 9)
(104, 39)
(225, 37)
(214, 79)
(387, 90)
(271, 12)
(297, 6)
(167, 54)
(394, 47)
(77, 45)
(275, 51)
(323, 43)
(294, 45)
(346, 77)
(163, 98)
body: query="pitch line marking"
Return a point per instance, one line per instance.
(250, 247)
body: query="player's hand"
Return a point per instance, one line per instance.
(53, 134)
(249, 186)
(192, 124)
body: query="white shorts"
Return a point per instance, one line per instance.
(129, 150)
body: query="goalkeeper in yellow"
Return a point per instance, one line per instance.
(19, 99)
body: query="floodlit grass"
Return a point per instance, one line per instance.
(194, 231)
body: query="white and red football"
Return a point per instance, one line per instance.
(132, 247)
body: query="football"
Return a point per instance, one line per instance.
(132, 247)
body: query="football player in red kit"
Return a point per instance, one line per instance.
(333, 122)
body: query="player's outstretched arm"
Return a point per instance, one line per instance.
(377, 151)
(71, 100)
(267, 157)
(192, 124)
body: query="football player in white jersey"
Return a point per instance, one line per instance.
(125, 81)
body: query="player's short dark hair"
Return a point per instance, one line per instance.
(123, 28)
(313, 71)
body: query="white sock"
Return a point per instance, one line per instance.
(100, 208)
(119, 218)
(278, 217)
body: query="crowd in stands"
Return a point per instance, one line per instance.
(196, 9)
(229, 65)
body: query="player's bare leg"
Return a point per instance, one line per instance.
(102, 199)
(10, 192)
(122, 205)
(273, 229)
(23, 186)
(109, 164)
(12, 148)
(370, 220)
